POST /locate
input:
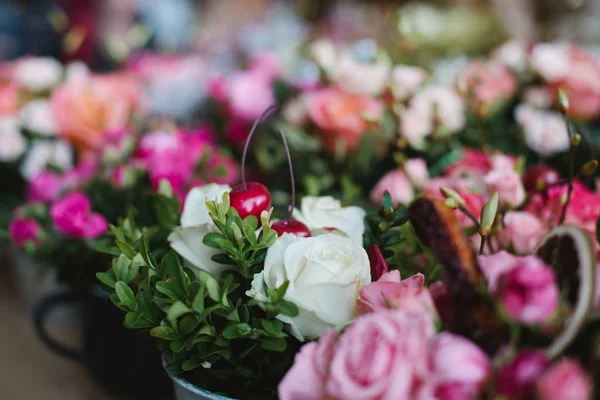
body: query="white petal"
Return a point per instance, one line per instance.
(194, 210)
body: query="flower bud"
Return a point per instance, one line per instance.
(589, 168)
(450, 203)
(575, 140)
(563, 101)
(451, 193)
(488, 215)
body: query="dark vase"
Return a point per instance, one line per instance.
(123, 361)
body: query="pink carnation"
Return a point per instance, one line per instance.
(45, 187)
(249, 93)
(522, 230)
(72, 216)
(397, 184)
(24, 230)
(516, 379)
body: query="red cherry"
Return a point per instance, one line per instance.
(252, 199)
(292, 226)
(539, 176)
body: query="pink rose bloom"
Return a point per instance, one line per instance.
(306, 379)
(249, 94)
(72, 215)
(82, 173)
(417, 172)
(507, 182)
(397, 184)
(223, 170)
(45, 187)
(564, 380)
(266, 65)
(24, 230)
(473, 164)
(459, 366)
(495, 265)
(381, 356)
(343, 116)
(85, 109)
(516, 379)
(581, 84)
(390, 292)
(523, 230)
(528, 293)
(377, 262)
(9, 99)
(490, 84)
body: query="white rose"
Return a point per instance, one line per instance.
(44, 153)
(352, 76)
(545, 131)
(12, 142)
(76, 71)
(195, 224)
(551, 60)
(323, 52)
(512, 54)
(325, 274)
(37, 117)
(38, 74)
(327, 212)
(405, 80)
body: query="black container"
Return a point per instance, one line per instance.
(123, 361)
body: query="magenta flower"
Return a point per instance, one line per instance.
(516, 379)
(24, 230)
(45, 187)
(72, 215)
(378, 264)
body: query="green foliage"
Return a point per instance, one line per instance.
(206, 326)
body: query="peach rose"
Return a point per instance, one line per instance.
(85, 109)
(343, 116)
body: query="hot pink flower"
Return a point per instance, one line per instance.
(564, 380)
(459, 366)
(390, 292)
(523, 230)
(342, 116)
(85, 109)
(489, 83)
(528, 293)
(397, 184)
(380, 356)
(72, 215)
(515, 380)
(473, 164)
(223, 170)
(378, 264)
(45, 186)
(82, 173)
(307, 377)
(24, 230)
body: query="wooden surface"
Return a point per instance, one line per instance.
(28, 370)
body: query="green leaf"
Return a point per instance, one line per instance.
(177, 310)
(125, 294)
(231, 332)
(273, 327)
(177, 345)
(120, 267)
(126, 249)
(212, 286)
(148, 307)
(164, 332)
(288, 308)
(188, 324)
(189, 365)
(233, 316)
(251, 222)
(166, 288)
(198, 303)
(107, 279)
(223, 259)
(273, 343)
(212, 240)
(387, 202)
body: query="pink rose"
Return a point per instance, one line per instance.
(306, 379)
(417, 172)
(390, 292)
(85, 109)
(473, 164)
(378, 264)
(45, 186)
(380, 356)
(515, 380)
(495, 265)
(397, 184)
(24, 230)
(459, 366)
(489, 84)
(523, 230)
(9, 99)
(564, 380)
(249, 93)
(82, 173)
(265, 64)
(72, 216)
(528, 293)
(343, 116)
(507, 182)
(222, 169)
